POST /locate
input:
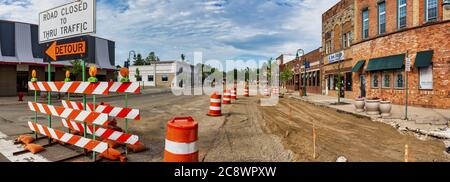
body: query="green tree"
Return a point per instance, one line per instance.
(151, 58)
(138, 75)
(76, 68)
(286, 75)
(138, 61)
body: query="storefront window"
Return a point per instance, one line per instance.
(399, 79)
(318, 78)
(332, 86)
(426, 77)
(386, 79)
(375, 80)
(348, 81)
(150, 78)
(164, 78)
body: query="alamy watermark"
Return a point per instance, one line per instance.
(199, 77)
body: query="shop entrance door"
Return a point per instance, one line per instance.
(297, 82)
(22, 81)
(363, 85)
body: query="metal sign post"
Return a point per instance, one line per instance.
(407, 70)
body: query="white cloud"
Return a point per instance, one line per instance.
(222, 29)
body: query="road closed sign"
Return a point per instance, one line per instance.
(73, 19)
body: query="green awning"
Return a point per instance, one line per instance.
(423, 59)
(358, 66)
(386, 63)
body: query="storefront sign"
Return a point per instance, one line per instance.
(338, 56)
(76, 18)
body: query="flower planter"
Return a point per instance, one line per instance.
(373, 107)
(385, 108)
(359, 104)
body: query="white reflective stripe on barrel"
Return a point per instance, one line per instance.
(214, 108)
(215, 100)
(181, 148)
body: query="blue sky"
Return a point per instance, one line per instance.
(221, 29)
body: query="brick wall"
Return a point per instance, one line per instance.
(429, 37)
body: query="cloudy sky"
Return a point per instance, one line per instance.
(220, 29)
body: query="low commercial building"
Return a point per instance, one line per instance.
(20, 53)
(388, 32)
(311, 78)
(164, 74)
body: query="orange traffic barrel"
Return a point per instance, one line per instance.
(266, 92)
(215, 108)
(226, 97)
(246, 91)
(233, 93)
(181, 140)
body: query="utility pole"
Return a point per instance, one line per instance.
(297, 57)
(407, 69)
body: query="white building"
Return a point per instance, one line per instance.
(165, 74)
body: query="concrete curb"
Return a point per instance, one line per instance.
(336, 109)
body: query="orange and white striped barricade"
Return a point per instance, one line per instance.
(215, 105)
(97, 88)
(79, 141)
(125, 87)
(181, 140)
(118, 112)
(233, 94)
(103, 132)
(77, 115)
(226, 98)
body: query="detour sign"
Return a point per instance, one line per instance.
(73, 48)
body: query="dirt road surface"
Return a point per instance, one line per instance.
(339, 134)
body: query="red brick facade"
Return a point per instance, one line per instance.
(418, 35)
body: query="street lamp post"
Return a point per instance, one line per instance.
(304, 63)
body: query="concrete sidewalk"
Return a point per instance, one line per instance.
(421, 120)
(26, 99)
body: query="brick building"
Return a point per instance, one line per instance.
(337, 35)
(384, 32)
(310, 79)
(20, 53)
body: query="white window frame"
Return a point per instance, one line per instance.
(379, 18)
(372, 75)
(428, 7)
(363, 24)
(429, 70)
(400, 6)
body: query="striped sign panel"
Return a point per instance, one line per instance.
(79, 141)
(117, 112)
(77, 115)
(103, 132)
(98, 88)
(126, 87)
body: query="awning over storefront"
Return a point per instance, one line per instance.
(386, 63)
(358, 66)
(423, 59)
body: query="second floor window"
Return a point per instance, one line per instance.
(365, 24)
(431, 10)
(382, 18)
(401, 14)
